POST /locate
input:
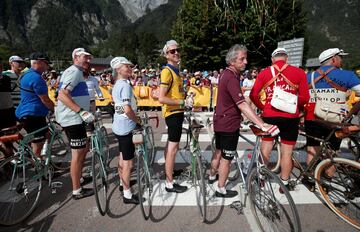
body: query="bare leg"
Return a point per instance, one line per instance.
(77, 161)
(215, 162)
(286, 161)
(266, 147)
(224, 170)
(170, 153)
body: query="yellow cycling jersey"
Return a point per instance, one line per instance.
(174, 84)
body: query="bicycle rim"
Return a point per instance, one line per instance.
(60, 154)
(20, 188)
(341, 191)
(105, 145)
(273, 211)
(150, 144)
(200, 187)
(99, 182)
(145, 186)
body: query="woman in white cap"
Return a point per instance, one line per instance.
(124, 123)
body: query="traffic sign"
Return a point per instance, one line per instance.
(295, 49)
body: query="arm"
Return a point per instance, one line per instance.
(250, 114)
(66, 99)
(131, 114)
(304, 94)
(167, 100)
(47, 102)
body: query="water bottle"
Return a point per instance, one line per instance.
(45, 148)
(247, 161)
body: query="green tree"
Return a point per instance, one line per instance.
(207, 29)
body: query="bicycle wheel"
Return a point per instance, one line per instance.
(60, 153)
(150, 144)
(20, 188)
(105, 144)
(99, 182)
(273, 211)
(144, 174)
(200, 187)
(341, 191)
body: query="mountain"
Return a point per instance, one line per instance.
(129, 27)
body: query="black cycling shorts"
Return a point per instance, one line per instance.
(126, 146)
(289, 129)
(320, 131)
(33, 123)
(174, 123)
(76, 135)
(227, 142)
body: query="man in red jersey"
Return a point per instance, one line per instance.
(292, 80)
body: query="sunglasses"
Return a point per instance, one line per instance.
(172, 51)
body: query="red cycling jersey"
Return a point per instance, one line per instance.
(295, 75)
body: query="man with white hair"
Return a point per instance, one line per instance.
(72, 113)
(335, 81)
(172, 97)
(35, 102)
(227, 118)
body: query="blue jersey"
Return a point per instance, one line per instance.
(31, 87)
(344, 78)
(122, 95)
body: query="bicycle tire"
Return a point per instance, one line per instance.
(100, 182)
(18, 198)
(144, 174)
(273, 211)
(60, 153)
(275, 158)
(341, 191)
(105, 145)
(200, 187)
(150, 144)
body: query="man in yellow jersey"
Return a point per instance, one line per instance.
(172, 97)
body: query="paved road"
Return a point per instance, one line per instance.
(58, 212)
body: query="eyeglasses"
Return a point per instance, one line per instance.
(172, 51)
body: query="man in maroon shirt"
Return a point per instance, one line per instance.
(227, 118)
(292, 80)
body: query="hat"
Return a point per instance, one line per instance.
(117, 61)
(40, 56)
(198, 73)
(92, 70)
(327, 54)
(79, 52)
(279, 51)
(15, 58)
(205, 73)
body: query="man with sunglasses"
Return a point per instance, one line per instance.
(172, 97)
(35, 102)
(335, 82)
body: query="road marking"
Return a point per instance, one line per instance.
(161, 197)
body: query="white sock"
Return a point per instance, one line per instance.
(169, 185)
(127, 193)
(212, 177)
(222, 190)
(285, 182)
(77, 191)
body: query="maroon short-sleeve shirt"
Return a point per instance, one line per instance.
(227, 116)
